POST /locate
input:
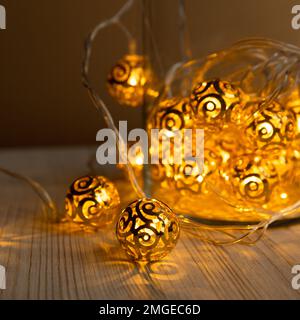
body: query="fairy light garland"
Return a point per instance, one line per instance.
(242, 174)
(211, 104)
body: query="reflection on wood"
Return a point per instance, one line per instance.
(51, 261)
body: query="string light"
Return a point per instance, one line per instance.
(239, 136)
(272, 127)
(129, 80)
(213, 100)
(147, 230)
(92, 201)
(252, 178)
(212, 115)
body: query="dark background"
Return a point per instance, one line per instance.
(42, 100)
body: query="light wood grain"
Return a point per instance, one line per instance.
(49, 261)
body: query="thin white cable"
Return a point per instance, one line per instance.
(97, 101)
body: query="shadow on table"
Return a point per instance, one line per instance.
(145, 276)
(110, 259)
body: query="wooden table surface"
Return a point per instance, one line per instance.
(59, 261)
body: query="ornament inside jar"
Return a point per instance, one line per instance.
(238, 164)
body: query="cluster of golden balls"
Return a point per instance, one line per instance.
(251, 148)
(252, 144)
(251, 151)
(147, 229)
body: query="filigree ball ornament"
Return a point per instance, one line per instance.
(214, 101)
(189, 178)
(92, 201)
(128, 80)
(171, 115)
(147, 230)
(176, 114)
(209, 107)
(271, 127)
(251, 178)
(219, 148)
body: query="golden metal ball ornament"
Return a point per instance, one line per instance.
(272, 127)
(128, 80)
(171, 115)
(213, 101)
(147, 230)
(252, 178)
(92, 201)
(177, 114)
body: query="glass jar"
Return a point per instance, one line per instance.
(201, 196)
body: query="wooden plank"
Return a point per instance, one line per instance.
(60, 261)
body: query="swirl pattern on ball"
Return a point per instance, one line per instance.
(172, 115)
(212, 100)
(92, 201)
(147, 229)
(177, 114)
(128, 79)
(251, 146)
(252, 178)
(272, 127)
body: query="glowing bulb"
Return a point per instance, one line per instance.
(139, 160)
(169, 134)
(102, 196)
(284, 196)
(92, 201)
(152, 235)
(129, 80)
(200, 179)
(133, 79)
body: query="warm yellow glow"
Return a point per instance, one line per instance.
(152, 93)
(92, 201)
(134, 78)
(169, 134)
(139, 160)
(129, 81)
(102, 196)
(152, 235)
(210, 106)
(284, 196)
(250, 150)
(257, 159)
(226, 177)
(136, 158)
(200, 179)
